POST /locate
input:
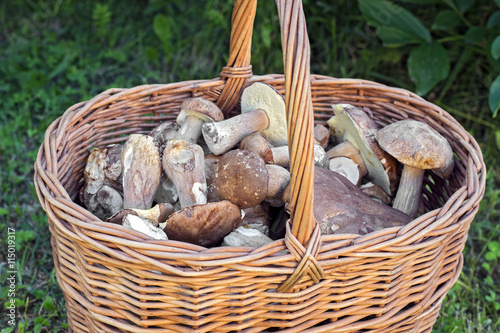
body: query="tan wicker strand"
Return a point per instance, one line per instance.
(117, 280)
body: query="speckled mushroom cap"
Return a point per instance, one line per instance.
(241, 177)
(416, 144)
(200, 108)
(261, 96)
(256, 143)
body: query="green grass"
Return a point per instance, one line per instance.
(56, 53)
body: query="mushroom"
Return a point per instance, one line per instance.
(194, 113)
(340, 207)
(347, 168)
(141, 169)
(204, 225)
(256, 215)
(376, 193)
(248, 237)
(157, 214)
(262, 110)
(242, 178)
(166, 191)
(321, 135)
(184, 164)
(354, 125)
(211, 161)
(165, 131)
(346, 149)
(256, 143)
(144, 225)
(419, 147)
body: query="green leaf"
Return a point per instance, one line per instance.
(384, 13)
(465, 5)
(493, 20)
(395, 37)
(446, 20)
(475, 35)
(495, 48)
(162, 28)
(48, 304)
(497, 138)
(490, 256)
(494, 98)
(3, 211)
(494, 246)
(497, 2)
(428, 64)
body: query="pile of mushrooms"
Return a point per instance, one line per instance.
(212, 181)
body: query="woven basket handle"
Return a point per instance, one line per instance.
(303, 238)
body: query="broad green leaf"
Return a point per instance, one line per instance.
(495, 48)
(465, 5)
(384, 13)
(451, 4)
(494, 98)
(445, 20)
(162, 28)
(395, 37)
(428, 64)
(3, 211)
(497, 2)
(493, 20)
(490, 256)
(475, 35)
(497, 138)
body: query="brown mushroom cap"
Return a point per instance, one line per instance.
(241, 177)
(322, 135)
(201, 108)
(416, 144)
(204, 225)
(342, 208)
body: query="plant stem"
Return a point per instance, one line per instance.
(467, 116)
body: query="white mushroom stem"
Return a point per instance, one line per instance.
(190, 130)
(223, 135)
(281, 156)
(410, 187)
(184, 164)
(279, 178)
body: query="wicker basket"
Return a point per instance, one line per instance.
(393, 280)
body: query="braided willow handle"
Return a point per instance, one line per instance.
(303, 238)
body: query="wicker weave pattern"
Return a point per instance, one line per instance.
(115, 279)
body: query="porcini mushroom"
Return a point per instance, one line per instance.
(141, 170)
(419, 147)
(184, 164)
(354, 125)
(194, 113)
(346, 149)
(347, 168)
(241, 177)
(204, 225)
(342, 208)
(262, 110)
(165, 131)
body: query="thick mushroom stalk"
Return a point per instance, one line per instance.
(194, 113)
(262, 110)
(141, 171)
(224, 135)
(410, 187)
(418, 146)
(184, 164)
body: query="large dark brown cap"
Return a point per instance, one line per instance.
(204, 225)
(342, 208)
(241, 177)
